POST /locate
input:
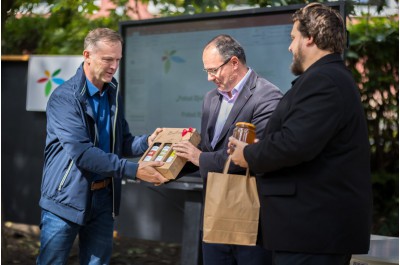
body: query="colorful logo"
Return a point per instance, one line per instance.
(170, 56)
(50, 79)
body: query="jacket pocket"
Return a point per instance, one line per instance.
(64, 178)
(278, 188)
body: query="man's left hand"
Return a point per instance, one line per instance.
(153, 136)
(187, 150)
(237, 154)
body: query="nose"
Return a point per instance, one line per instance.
(210, 77)
(290, 48)
(114, 65)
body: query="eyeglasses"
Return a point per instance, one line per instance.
(214, 71)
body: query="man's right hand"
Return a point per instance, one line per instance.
(148, 173)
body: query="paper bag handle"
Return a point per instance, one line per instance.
(228, 162)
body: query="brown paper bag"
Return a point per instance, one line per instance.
(231, 208)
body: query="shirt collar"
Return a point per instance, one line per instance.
(93, 89)
(236, 90)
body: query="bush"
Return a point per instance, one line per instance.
(373, 59)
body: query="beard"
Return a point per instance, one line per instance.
(297, 67)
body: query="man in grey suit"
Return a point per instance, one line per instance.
(240, 96)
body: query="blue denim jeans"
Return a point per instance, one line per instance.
(95, 237)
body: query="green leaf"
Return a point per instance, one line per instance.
(167, 66)
(56, 72)
(47, 88)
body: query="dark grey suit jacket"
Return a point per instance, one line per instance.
(255, 104)
(314, 166)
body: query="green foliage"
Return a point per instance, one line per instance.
(180, 7)
(22, 35)
(266, 3)
(373, 58)
(61, 31)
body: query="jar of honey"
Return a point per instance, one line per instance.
(245, 132)
(152, 152)
(163, 152)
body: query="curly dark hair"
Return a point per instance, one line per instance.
(324, 24)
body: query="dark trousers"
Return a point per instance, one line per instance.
(221, 254)
(289, 258)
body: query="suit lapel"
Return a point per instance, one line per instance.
(243, 97)
(215, 105)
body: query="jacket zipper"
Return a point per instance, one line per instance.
(65, 175)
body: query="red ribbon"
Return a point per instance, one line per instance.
(184, 132)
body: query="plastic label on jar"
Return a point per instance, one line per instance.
(152, 152)
(171, 157)
(163, 152)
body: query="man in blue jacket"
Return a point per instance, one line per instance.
(87, 136)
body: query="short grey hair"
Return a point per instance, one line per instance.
(101, 34)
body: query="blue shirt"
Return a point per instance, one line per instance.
(101, 112)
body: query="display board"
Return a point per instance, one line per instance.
(162, 73)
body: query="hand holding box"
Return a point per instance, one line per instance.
(161, 150)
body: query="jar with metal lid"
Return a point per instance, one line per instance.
(245, 132)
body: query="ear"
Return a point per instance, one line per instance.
(86, 56)
(235, 61)
(309, 41)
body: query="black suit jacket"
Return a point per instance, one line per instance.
(314, 164)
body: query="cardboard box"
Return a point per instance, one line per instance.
(161, 150)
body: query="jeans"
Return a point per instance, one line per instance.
(95, 237)
(221, 254)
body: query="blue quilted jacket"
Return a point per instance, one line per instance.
(71, 156)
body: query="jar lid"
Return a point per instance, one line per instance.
(246, 124)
